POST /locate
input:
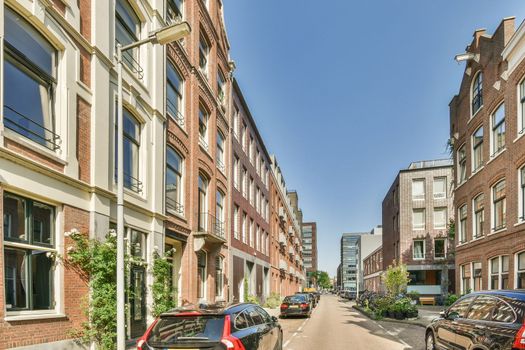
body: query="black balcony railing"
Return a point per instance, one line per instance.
(174, 113)
(172, 204)
(130, 61)
(27, 127)
(210, 224)
(131, 182)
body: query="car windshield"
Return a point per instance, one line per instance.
(295, 299)
(170, 330)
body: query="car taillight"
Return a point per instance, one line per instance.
(145, 337)
(304, 305)
(228, 339)
(284, 306)
(519, 340)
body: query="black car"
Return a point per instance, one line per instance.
(236, 327)
(296, 305)
(310, 297)
(481, 321)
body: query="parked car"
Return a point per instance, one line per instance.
(296, 305)
(236, 327)
(480, 320)
(310, 296)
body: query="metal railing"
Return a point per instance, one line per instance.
(220, 165)
(203, 142)
(172, 204)
(210, 224)
(131, 62)
(131, 182)
(174, 113)
(52, 142)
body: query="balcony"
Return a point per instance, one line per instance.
(283, 266)
(174, 206)
(220, 165)
(174, 113)
(291, 251)
(296, 241)
(282, 239)
(130, 182)
(211, 229)
(203, 143)
(29, 128)
(290, 230)
(282, 215)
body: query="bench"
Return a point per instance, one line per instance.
(427, 301)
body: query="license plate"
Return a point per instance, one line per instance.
(294, 306)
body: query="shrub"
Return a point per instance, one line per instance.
(252, 299)
(396, 279)
(414, 295)
(451, 299)
(162, 288)
(273, 301)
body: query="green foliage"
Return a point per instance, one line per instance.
(451, 299)
(162, 287)
(452, 230)
(323, 280)
(96, 262)
(273, 301)
(396, 279)
(414, 295)
(252, 299)
(245, 290)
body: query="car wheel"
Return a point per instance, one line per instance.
(429, 341)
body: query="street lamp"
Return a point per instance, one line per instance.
(162, 36)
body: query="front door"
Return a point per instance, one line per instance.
(137, 302)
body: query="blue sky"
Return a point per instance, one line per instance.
(346, 93)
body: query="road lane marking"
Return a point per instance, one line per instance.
(295, 333)
(393, 335)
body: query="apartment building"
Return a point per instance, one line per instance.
(57, 155)
(287, 268)
(250, 228)
(349, 253)
(309, 240)
(372, 271)
(366, 245)
(487, 123)
(416, 213)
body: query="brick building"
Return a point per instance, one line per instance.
(309, 239)
(287, 269)
(372, 271)
(486, 126)
(250, 232)
(416, 212)
(57, 155)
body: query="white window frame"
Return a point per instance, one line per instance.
(419, 227)
(521, 107)
(439, 195)
(414, 249)
(494, 152)
(516, 268)
(473, 152)
(493, 228)
(463, 148)
(521, 194)
(236, 171)
(500, 271)
(444, 247)
(475, 233)
(462, 288)
(436, 209)
(236, 222)
(471, 99)
(418, 196)
(459, 227)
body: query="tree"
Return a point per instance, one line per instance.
(396, 279)
(323, 280)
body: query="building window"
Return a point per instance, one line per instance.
(221, 83)
(466, 286)
(479, 215)
(201, 274)
(131, 151)
(220, 151)
(499, 272)
(499, 206)
(203, 127)
(219, 212)
(252, 234)
(440, 218)
(419, 249)
(477, 276)
(522, 194)
(258, 238)
(174, 199)
(477, 93)
(521, 114)
(520, 271)
(236, 172)
(477, 149)
(29, 229)
(244, 182)
(243, 137)
(244, 228)
(440, 187)
(439, 248)
(498, 129)
(204, 52)
(29, 82)
(418, 219)
(235, 121)
(174, 10)
(127, 31)
(236, 222)
(418, 189)
(463, 224)
(462, 165)
(203, 203)
(252, 192)
(219, 276)
(174, 106)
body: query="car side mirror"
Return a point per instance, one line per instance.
(443, 314)
(275, 319)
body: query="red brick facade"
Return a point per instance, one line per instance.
(372, 269)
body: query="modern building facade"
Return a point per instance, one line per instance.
(487, 123)
(416, 213)
(373, 270)
(350, 258)
(309, 239)
(250, 232)
(366, 245)
(287, 268)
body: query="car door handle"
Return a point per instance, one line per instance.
(479, 326)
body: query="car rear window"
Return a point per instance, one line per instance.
(295, 299)
(170, 330)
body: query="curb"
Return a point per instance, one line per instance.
(386, 319)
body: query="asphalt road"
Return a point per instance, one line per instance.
(334, 324)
